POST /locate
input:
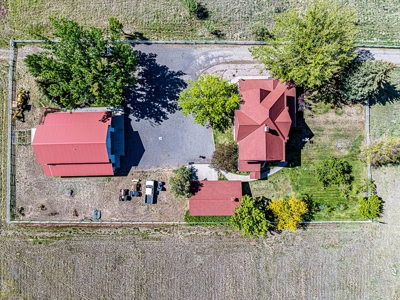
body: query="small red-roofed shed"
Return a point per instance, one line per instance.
(215, 198)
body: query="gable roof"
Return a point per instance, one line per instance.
(263, 122)
(216, 198)
(66, 139)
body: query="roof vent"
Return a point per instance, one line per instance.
(234, 199)
(266, 129)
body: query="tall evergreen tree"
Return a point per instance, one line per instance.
(363, 79)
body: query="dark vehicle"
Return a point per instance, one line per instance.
(160, 186)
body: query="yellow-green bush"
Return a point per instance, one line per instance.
(382, 152)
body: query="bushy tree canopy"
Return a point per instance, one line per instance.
(180, 183)
(86, 67)
(225, 157)
(333, 171)
(210, 99)
(363, 79)
(386, 151)
(249, 218)
(308, 49)
(288, 213)
(370, 207)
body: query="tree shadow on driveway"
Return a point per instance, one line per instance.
(156, 92)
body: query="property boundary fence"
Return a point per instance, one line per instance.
(207, 42)
(11, 180)
(10, 127)
(104, 223)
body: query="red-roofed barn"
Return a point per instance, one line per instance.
(76, 144)
(215, 198)
(263, 122)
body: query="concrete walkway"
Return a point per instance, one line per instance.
(231, 176)
(205, 172)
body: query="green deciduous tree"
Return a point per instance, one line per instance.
(288, 212)
(210, 99)
(86, 67)
(180, 183)
(308, 49)
(225, 157)
(333, 171)
(386, 151)
(370, 207)
(250, 218)
(363, 79)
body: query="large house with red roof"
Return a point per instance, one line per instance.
(215, 198)
(78, 143)
(262, 123)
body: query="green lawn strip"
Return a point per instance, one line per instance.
(213, 220)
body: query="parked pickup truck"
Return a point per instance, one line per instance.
(149, 195)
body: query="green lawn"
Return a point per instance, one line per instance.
(337, 135)
(163, 20)
(223, 137)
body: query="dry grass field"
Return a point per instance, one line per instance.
(345, 262)
(23, 19)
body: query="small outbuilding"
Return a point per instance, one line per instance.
(79, 143)
(215, 197)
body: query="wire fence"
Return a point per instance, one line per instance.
(11, 125)
(104, 223)
(206, 42)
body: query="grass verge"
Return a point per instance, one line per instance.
(213, 220)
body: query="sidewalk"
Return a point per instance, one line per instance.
(205, 172)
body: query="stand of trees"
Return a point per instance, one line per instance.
(86, 67)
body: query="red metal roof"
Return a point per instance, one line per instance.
(68, 139)
(216, 198)
(264, 105)
(78, 170)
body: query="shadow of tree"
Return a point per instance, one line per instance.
(156, 91)
(135, 36)
(312, 208)
(195, 186)
(363, 55)
(296, 141)
(386, 95)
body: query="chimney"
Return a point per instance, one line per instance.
(266, 128)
